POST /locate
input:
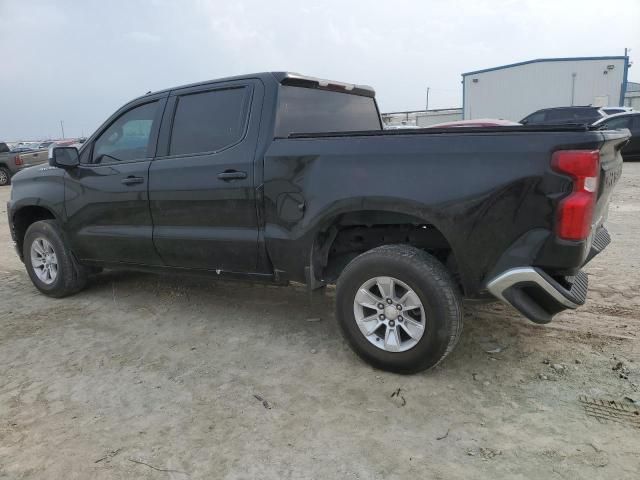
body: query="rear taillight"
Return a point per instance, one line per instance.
(17, 160)
(575, 212)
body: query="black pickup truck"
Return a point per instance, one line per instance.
(282, 177)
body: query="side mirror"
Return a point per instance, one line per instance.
(64, 157)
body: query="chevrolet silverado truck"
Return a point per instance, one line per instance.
(12, 162)
(281, 177)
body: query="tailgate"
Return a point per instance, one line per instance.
(610, 171)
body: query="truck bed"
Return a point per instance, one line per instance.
(451, 130)
(462, 181)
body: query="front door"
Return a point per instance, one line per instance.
(201, 184)
(106, 197)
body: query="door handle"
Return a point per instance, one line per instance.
(232, 175)
(132, 180)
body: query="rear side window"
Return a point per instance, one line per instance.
(209, 121)
(618, 123)
(309, 110)
(559, 115)
(585, 114)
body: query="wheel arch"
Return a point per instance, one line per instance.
(24, 217)
(345, 235)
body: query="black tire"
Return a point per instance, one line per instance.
(435, 287)
(5, 176)
(71, 276)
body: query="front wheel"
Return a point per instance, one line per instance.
(50, 264)
(399, 308)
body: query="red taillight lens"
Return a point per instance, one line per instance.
(575, 212)
(17, 160)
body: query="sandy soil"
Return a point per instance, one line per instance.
(154, 377)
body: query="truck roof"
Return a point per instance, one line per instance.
(287, 78)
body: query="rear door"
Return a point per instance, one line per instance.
(201, 184)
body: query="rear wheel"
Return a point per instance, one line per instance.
(399, 308)
(5, 176)
(50, 264)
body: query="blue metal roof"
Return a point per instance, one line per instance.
(540, 60)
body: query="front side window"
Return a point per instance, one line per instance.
(534, 118)
(128, 137)
(209, 121)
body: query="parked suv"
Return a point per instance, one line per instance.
(630, 121)
(560, 115)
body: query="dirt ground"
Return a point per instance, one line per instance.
(153, 377)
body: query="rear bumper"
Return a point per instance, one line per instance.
(538, 295)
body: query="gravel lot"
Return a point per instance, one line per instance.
(144, 376)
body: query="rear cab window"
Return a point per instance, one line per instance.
(312, 110)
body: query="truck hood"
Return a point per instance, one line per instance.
(37, 171)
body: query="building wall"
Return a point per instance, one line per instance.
(632, 97)
(422, 118)
(515, 91)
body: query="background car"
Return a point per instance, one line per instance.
(21, 149)
(45, 144)
(614, 110)
(559, 115)
(401, 127)
(630, 120)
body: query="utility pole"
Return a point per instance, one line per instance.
(62, 128)
(428, 88)
(573, 87)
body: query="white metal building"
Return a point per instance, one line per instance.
(513, 91)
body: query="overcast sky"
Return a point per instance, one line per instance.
(78, 61)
